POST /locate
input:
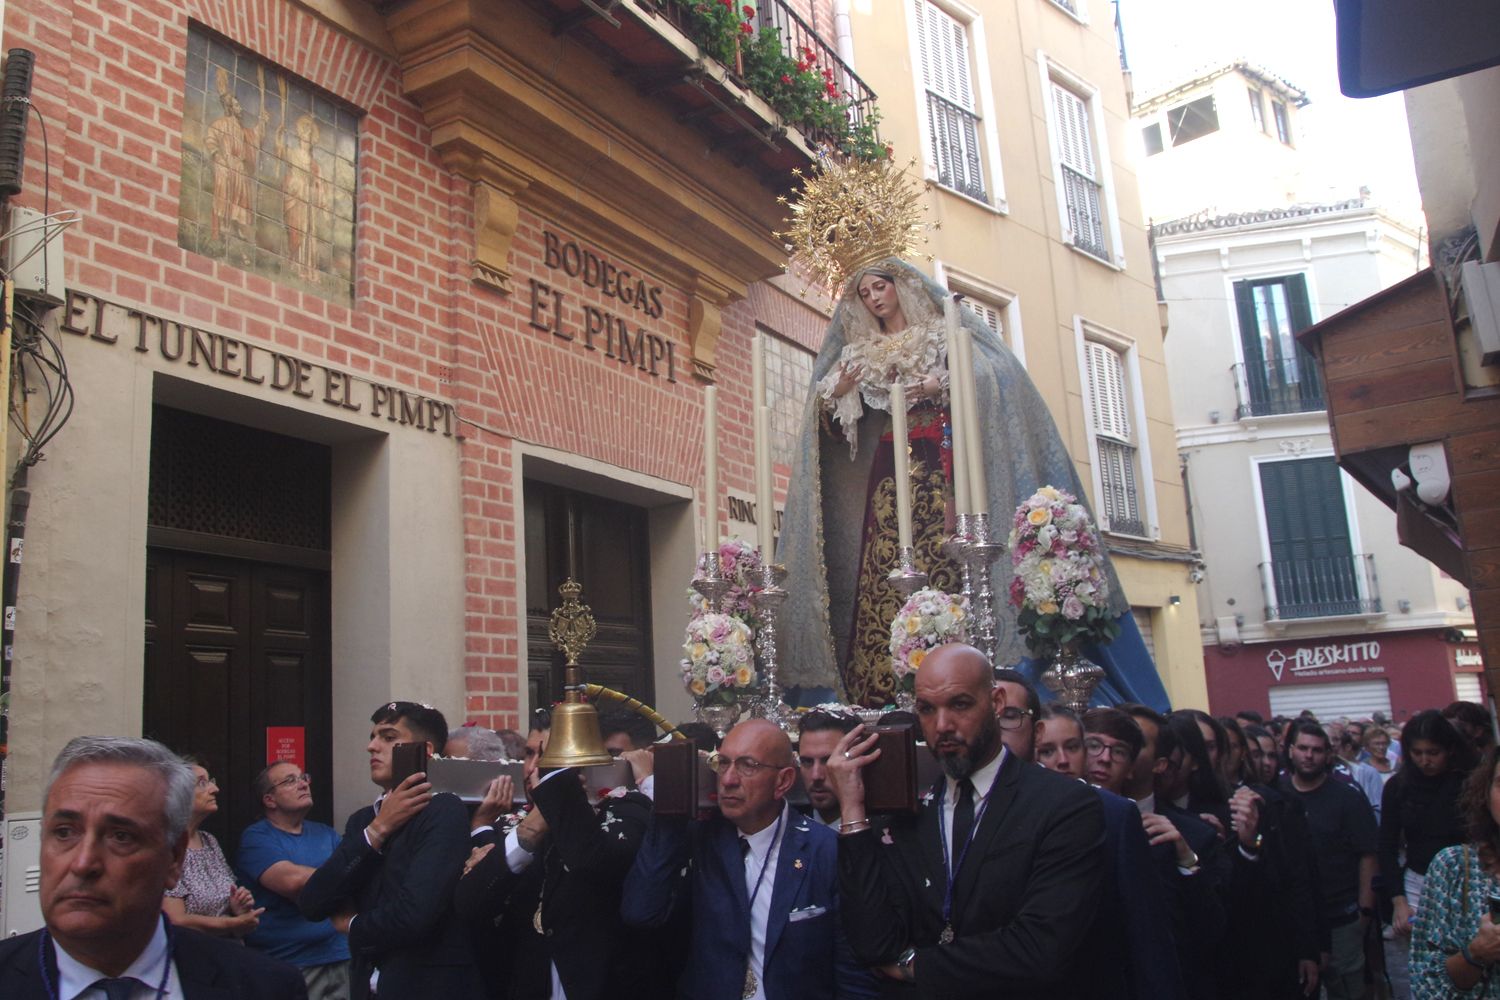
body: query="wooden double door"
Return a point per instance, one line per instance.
(233, 646)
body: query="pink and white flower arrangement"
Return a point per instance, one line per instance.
(719, 664)
(741, 565)
(928, 618)
(1059, 584)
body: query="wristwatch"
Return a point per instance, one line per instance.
(905, 961)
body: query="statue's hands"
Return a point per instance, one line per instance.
(930, 387)
(851, 374)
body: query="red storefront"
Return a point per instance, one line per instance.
(1399, 673)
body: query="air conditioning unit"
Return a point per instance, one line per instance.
(1482, 290)
(20, 902)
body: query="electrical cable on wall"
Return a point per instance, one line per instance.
(31, 362)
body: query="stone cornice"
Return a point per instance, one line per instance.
(540, 121)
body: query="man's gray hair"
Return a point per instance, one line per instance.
(149, 755)
(484, 744)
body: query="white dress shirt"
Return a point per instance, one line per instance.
(765, 849)
(75, 980)
(982, 780)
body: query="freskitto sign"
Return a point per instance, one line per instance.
(1332, 660)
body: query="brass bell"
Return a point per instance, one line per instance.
(574, 740)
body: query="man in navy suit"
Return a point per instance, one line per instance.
(114, 832)
(390, 881)
(764, 883)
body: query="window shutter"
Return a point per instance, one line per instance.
(1106, 375)
(1296, 301)
(1073, 142)
(943, 45)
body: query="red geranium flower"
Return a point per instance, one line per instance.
(746, 29)
(749, 11)
(785, 79)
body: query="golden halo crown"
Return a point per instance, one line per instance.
(852, 213)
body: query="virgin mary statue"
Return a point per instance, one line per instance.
(838, 537)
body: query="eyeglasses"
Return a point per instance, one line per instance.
(1013, 718)
(1118, 752)
(206, 780)
(292, 779)
(748, 767)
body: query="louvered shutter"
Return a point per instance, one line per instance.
(1106, 375)
(943, 46)
(1073, 142)
(989, 314)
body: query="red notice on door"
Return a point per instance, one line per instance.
(287, 743)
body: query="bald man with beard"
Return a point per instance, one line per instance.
(990, 888)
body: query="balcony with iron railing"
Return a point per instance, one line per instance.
(775, 56)
(953, 134)
(1085, 212)
(1280, 386)
(1320, 587)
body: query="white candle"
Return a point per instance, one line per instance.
(899, 444)
(973, 444)
(761, 421)
(711, 468)
(956, 410)
(765, 502)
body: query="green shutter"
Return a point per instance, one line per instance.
(1313, 568)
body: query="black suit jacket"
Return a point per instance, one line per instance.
(577, 880)
(403, 896)
(1196, 902)
(1023, 900)
(209, 968)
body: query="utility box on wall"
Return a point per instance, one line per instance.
(20, 902)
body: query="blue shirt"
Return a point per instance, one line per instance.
(283, 932)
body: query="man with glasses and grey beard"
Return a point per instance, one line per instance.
(277, 855)
(990, 888)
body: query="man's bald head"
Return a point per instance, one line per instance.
(757, 772)
(958, 663)
(761, 739)
(957, 704)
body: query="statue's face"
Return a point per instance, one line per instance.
(878, 293)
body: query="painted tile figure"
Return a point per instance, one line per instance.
(268, 171)
(233, 149)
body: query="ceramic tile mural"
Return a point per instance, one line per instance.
(268, 170)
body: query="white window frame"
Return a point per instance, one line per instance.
(1346, 482)
(1080, 13)
(984, 91)
(1085, 331)
(956, 279)
(1054, 73)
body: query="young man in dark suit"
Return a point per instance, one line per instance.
(764, 885)
(390, 881)
(989, 889)
(114, 832)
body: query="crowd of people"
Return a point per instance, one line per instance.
(1120, 853)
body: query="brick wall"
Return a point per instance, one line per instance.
(109, 83)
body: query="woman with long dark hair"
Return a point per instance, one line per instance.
(1455, 944)
(1419, 816)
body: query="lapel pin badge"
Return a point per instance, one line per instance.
(797, 864)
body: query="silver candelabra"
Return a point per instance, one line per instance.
(979, 553)
(710, 581)
(766, 603)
